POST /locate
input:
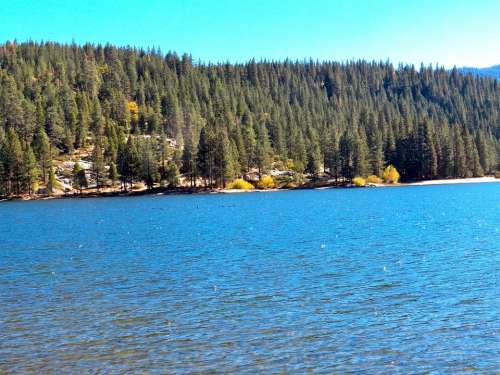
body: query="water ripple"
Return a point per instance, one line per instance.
(399, 280)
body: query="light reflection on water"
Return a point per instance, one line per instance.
(377, 280)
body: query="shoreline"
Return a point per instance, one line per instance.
(470, 180)
(200, 190)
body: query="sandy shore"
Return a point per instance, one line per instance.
(473, 180)
(231, 191)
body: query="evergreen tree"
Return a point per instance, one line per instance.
(347, 157)
(460, 162)
(332, 155)
(52, 182)
(122, 165)
(360, 162)
(12, 156)
(204, 158)
(298, 151)
(3, 182)
(42, 149)
(172, 174)
(189, 165)
(79, 178)
(82, 121)
(314, 159)
(149, 166)
(485, 153)
(474, 168)
(223, 161)
(375, 147)
(427, 150)
(98, 167)
(262, 150)
(113, 173)
(29, 170)
(249, 141)
(446, 164)
(55, 122)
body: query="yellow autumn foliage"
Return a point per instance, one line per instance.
(134, 110)
(290, 164)
(266, 182)
(391, 174)
(372, 179)
(239, 184)
(359, 181)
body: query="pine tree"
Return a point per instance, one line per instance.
(332, 155)
(222, 159)
(427, 150)
(128, 163)
(83, 120)
(189, 167)
(29, 170)
(173, 116)
(172, 174)
(12, 162)
(460, 162)
(249, 140)
(390, 146)
(375, 147)
(447, 161)
(347, 157)
(122, 165)
(474, 168)
(113, 173)
(203, 157)
(79, 178)
(55, 122)
(298, 151)
(42, 149)
(11, 110)
(149, 166)
(97, 119)
(98, 167)
(314, 159)
(360, 163)
(52, 182)
(3, 181)
(484, 152)
(262, 150)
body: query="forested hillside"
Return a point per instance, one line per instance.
(145, 116)
(492, 71)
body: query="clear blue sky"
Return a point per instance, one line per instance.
(448, 32)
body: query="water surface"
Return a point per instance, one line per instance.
(396, 280)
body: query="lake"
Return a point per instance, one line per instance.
(390, 280)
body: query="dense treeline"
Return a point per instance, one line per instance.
(148, 116)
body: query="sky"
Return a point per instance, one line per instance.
(442, 32)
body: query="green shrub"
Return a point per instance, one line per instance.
(359, 181)
(239, 184)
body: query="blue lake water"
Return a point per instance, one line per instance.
(394, 280)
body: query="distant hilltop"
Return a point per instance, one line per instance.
(492, 71)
